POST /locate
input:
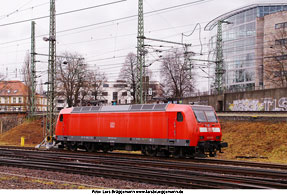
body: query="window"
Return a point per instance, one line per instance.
(20, 100)
(250, 15)
(105, 85)
(199, 114)
(124, 93)
(239, 74)
(179, 117)
(251, 29)
(115, 95)
(250, 74)
(61, 101)
(240, 18)
(61, 118)
(210, 116)
(282, 57)
(281, 42)
(104, 93)
(205, 115)
(120, 85)
(281, 25)
(14, 100)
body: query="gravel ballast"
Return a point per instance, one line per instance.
(20, 178)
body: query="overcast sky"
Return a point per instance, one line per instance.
(103, 46)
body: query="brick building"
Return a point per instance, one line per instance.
(275, 49)
(14, 97)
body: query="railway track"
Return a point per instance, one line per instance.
(182, 173)
(134, 155)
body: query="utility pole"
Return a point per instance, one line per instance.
(140, 53)
(33, 72)
(50, 126)
(219, 68)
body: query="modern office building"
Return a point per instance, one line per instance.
(249, 35)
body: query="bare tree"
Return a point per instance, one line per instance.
(94, 86)
(176, 76)
(129, 73)
(26, 74)
(275, 66)
(71, 77)
(2, 77)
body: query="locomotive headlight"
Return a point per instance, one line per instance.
(203, 129)
(216, 129)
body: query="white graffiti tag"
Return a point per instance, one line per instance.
(267, 104)
(271, 104)
(246, 105)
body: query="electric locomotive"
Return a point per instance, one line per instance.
(154, 129)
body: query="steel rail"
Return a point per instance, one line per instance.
(135, 162)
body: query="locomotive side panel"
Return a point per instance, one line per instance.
(174, 130)
(134, 125)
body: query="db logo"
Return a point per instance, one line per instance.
(112, 124)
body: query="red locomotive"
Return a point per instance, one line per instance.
(154, 129)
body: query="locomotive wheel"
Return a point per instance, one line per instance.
(105, 149)
(166, 153)
(90, 147)
(72, 146)
(144, 152)
(178, 153)
(152, 153)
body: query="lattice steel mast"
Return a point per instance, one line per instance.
(50, 122)
(33, 72)
(218, 85)
(219, 69)
(140, 53)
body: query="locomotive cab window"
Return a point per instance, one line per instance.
(61, 118)
(205, 115)
(199, 115)
(210, 116)
(179, 117)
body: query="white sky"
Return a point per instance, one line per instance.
(103, 45)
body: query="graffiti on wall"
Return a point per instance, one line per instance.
(264, 104)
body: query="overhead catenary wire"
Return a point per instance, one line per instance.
(110, 21)
(63, 13)
(114, 55)
(19, 10)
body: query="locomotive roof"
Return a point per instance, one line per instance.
(121, 108)
(201, 107)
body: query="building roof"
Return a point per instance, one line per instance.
(214, 22)
(13, 88)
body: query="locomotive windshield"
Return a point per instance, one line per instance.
(204, 114)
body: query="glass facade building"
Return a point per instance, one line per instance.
(240, 45)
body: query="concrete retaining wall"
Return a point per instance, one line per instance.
(259, 100)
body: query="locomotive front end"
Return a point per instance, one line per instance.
(209, 131)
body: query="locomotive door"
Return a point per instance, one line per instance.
(172, 125)
(62, 122)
